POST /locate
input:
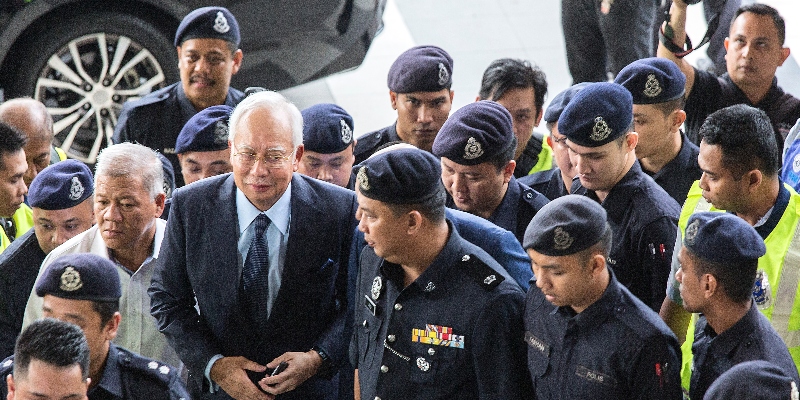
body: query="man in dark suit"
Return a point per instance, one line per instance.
(261, 221)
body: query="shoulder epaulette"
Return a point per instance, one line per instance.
(481, 272)
(155, 369)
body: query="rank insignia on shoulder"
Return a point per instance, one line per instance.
(484, 274)
(438, 336)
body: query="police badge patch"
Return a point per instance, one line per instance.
(561, 239)
(221, 24)
(377, 285)
(652, 87)
(691, 232)
(221, 132)
(473, 149)
(796, 164)
(75, 189)
(347, 133)
(444, 76)
(363, 180)
(70, 280)
(600, 131)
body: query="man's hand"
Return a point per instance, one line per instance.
(301, 367)
(229, 373)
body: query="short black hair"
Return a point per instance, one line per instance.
(106, 310)
(603, 246)
(763, 9)
(433, 208)
(746, 138)
(12, 139)
(508, 73)
(736, 278)
(668, 107)
(501, 159)
(54, 342)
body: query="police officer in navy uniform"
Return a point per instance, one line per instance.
(207, 41)
(61, 199)
(588, 337)
(419, 89)
(759, 379)
(476, 146)
(718, 284)
(598, 124)
(664, 151)
(556, 182)
(414, 337)
(202, 144)
(328, 145)
(84, 289)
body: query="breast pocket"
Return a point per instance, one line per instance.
(538, 355)
(368, 330)
(437, 367)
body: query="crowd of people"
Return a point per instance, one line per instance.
(230, 245)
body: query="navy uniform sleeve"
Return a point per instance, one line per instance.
(499, 356)
(655, 373)
(121, 133)
(655, 257)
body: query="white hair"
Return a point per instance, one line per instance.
(270, 101)
(129, 160)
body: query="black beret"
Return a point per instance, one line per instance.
(653, 80)
(402, 176)
(327, 128)
(169, 175)
(598, 114)
(205, 131)
(565, 226)
(753, 380)
(721, 237)
(62, 185)
(208, 23)
(81, 276)
(561, 100)
(421, 69)
(475, 133)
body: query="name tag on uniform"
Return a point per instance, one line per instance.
(537, 344)
(370, 305)
(595, 376)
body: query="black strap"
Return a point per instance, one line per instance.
(666, 37)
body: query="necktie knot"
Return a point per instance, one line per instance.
(262, 222)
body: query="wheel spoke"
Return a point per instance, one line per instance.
(55, 63)
(122, 47)
(66, 145)
(52, 83)
(139, 57)
(68, 110)
(144, 88)
(65, 122)
(76, 58)
(102, 47)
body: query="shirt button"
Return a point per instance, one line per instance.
(431, 351)
(377, 398)
(391, 338)
(398, 306)
(528, 195)
(384, 369)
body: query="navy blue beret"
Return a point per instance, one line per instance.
(402, 176)
(205, 131)
(327, 128)
(598, 114)
(208, 23)
(565, 226)
(561, 100)
(80, 276)
(62, 185)
(758, 379)
(169, 175)
(653, 80)
(475, 134)
(721, 237)
(421, 69)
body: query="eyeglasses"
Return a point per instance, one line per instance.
(273, 160)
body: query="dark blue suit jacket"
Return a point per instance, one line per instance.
(199, 260)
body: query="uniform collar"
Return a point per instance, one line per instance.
(437, 274)
(505, 215)
(681, 160)
(726, 341)
(601, 309)
(775, 213)
(278, 213)
(619, 197)
(111, 380)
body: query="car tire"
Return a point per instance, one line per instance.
(121, 57)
